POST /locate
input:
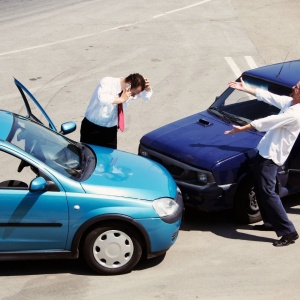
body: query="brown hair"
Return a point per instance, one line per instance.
(136, 80)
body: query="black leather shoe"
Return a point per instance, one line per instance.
(286, 239)
(263, 227)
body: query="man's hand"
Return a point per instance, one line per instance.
(234, 130)
(238, 85)
(125, 96)
(241, 86)
(237, 128)
(147, 85)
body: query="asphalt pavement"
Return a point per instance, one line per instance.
(189, 50)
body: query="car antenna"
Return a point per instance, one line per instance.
(282, 65)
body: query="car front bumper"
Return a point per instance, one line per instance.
(208, 198)
(161, 235)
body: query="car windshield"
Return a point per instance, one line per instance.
(53, 149)
(234, 106)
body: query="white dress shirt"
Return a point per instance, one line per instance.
(101, 111)
(281, 130)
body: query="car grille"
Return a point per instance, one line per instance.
(176, 171)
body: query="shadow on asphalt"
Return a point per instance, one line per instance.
(223, 223)
(220, 223)
(38, 267)
(73, 266)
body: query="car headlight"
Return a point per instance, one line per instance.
(143, 152)
(202, 178)
(165, 206)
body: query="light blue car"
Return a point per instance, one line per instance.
(61, 199)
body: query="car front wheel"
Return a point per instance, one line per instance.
(112, 249)
(245, 205)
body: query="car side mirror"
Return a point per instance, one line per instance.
(37, 184)
(67, 127)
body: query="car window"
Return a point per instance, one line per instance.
(10, 177)
(243, 108)
(55, 150)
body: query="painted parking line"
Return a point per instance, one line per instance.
(251, 62)
(233, 66)
(180, 9)
(235, 69)
(106, 30)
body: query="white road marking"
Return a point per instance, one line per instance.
(237, 72)
(109, 29)
(180, 9)
(236, 69)
(251, 62)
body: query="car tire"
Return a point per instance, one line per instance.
(246, 208)
(112, 249)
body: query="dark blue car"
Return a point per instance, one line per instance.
(213, 170)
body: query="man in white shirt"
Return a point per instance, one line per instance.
(274, 148)
(101, 122)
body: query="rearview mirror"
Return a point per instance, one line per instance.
(67, 127)
(37, 184)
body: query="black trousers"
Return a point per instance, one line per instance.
(91, 133)
(271, 208)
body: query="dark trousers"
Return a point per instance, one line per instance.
(91, 133)
(271, 208)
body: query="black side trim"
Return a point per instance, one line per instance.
(10, 224)
(35, 255)
(156, 254)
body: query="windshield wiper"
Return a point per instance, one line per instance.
(228, 117)
(82, 154)
(224, 116)
(83, 160)
(237, 120)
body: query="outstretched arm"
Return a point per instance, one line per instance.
(241, 86)
(237, 128)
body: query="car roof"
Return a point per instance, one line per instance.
(5, 124)
(284, 73)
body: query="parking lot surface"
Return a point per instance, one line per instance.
(189, 50)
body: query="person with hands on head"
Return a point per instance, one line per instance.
(104, 114)
(273, 150)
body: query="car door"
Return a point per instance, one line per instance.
(30, 221)
(24, 91)
(66, 127)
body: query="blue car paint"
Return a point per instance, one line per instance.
(198, 143)
(165, 235)
(123, 174)
(47, 211)
(122, 187)
(285, 73)
(139, 211)
(99, 201)
(7, 120)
